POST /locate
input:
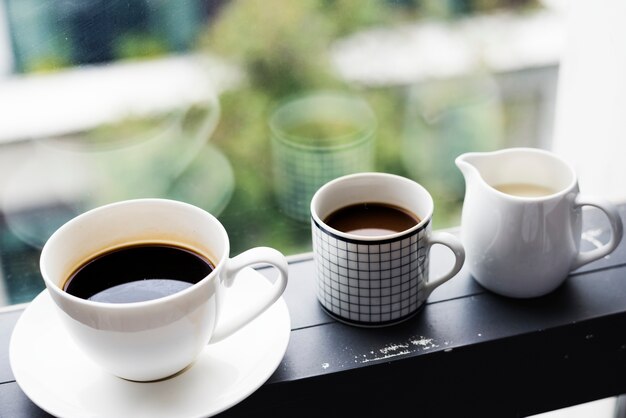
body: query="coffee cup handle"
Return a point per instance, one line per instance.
(617, 230)
(454, 244)
(226, 326)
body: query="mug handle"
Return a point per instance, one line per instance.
(227, 326)
(454, 244)
(615, 222)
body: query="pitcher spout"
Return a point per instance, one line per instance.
(516, 167)
(469, 164)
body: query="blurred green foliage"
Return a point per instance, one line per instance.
(283, 46)
(138, 45)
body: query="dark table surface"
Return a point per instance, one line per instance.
(469, 352)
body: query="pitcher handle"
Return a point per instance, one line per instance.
(454, 244)
(615, 222)
(226, 326)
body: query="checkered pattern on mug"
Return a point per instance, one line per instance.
(370, 283)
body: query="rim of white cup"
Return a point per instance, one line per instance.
(424, 220)
(58, 290)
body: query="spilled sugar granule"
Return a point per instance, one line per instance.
(413, 345)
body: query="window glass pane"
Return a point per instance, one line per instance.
(245, 108)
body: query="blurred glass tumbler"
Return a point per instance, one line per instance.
(376, 280)
(316, 138)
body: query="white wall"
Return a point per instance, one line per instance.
(590, 119)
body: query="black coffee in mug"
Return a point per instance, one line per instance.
(138, 273)
(372, 219)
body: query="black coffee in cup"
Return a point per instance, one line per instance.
(371, 219)
(138, 273)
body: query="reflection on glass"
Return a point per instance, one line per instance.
(315, 138)
(444, 119)
(133, 158)
(103, 99)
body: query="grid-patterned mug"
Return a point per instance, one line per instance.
(376, 280)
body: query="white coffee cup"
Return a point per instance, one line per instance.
(153, 339)
(379, 280)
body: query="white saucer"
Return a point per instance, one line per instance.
(57, 377)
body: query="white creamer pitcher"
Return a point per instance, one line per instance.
(521, 222)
